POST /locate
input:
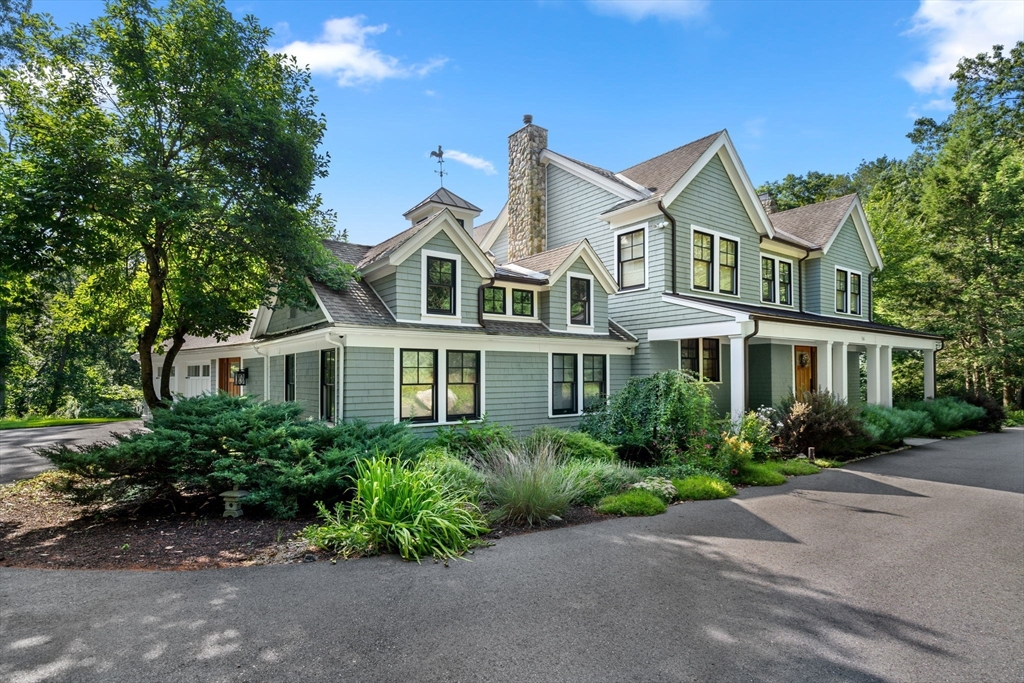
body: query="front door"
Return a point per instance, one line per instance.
(805, 361)
(226, 369)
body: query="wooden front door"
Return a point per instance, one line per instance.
(226, 369)
(805, 362)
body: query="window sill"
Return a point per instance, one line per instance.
(714, 292)
(632, 290)
(580, 329)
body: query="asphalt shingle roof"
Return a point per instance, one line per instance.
(548, 261)
(603, 172)
(664, 170)
(381, 250)
(815, 223)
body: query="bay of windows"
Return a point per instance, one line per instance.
(421, 381)
(715, 263)
(702, 358)
(631, 257)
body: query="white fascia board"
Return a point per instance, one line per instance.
(593, 262)
(632, 183)
(707, 307)
(770, 329)
(409, 338)
(445, 222)
(700, 330)
(499, 224)
(783, 249)
(584, 173)
(320, 303)
(263, 315)
(645, 210)
(867, 240)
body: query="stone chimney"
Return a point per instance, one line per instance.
(527, 190)
(768, 202)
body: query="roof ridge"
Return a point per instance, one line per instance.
(674, 149)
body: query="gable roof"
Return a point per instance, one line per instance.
(357, 304)
(547, 261)
(663, 171)
(386, 247)
(814, 223)
(445, 197)
(555, 262)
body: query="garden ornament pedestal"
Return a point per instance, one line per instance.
(233, 502)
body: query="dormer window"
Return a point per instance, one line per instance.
(522, 302)
(440, 286)
(579, 301)
(494, 300)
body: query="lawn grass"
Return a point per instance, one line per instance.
(793, 468)
(31, 422)
(703, 487)
(632, 503)
(755, 474)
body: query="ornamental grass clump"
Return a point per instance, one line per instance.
(526, 482)
(456, 475)
(599, 478)
(399, 509)
(576, 445)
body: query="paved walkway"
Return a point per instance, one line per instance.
(906, 567)
(18, 461)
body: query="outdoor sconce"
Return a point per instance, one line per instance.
(241, 376)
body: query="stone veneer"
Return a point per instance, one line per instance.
(527, 187)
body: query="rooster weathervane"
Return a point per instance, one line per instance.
(440, 163)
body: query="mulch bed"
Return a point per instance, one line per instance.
(43, 529)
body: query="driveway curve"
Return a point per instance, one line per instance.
(905, 567)
(18, 459)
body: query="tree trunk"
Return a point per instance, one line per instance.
(5, 360)
(177, 341)
(147, 339)
(58, 380)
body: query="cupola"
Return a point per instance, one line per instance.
(444, 199)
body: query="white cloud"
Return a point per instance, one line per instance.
(955, 29)
(342, 51)
(755, 127)
(637, 10)
(470, 160)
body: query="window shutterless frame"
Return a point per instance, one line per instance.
(776, 280)
(855, 293)
(522, 302)
(289, 377)
(728, 265)
(785, 283)
(441, 278)
(563, 384)
(841, 290)
(494, 300)
(580, 301)
(418, 385)
(702, 357)
(768, 279)
(595, 382)
(328, 369)
(715, 262)
(631, 259)
(703, 260)
(463, 385)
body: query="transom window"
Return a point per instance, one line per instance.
(631, 259)
(594, 389)
(702, 358)
(855, 293)
(841, 287)
(463, 386)
(494, 300)
(579, 301)
(419, 385)
(716, 263)
(522, 302)
(563, 384)
(776, 280)
(289, 377)
(440, 286)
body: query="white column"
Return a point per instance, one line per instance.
(874, 376)
(737, 378)
(840, 373)
(885, 370)
(824, 366)
(929, 374)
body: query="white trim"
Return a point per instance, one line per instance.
(444, 222)
(700, 357)
(811, 334)
(642, 210)
(860, 221)
(500, 223)
(647, 260)
(441, 384)
(553, 158)
(793, 285)
(716, 240)
(847, 314)
(597, 267)
(456, 290)
(708, 306)
(785, 249)
(578, 374)
(569, 326)
(693, 331)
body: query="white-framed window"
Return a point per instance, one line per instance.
(577, 382)
(631, 270)
(506, 299)
(438, 386)
(849, 291)
(580, 302)
(702, 357)
(441, 275)
(776, 280)
(494, 300)
(714, 262)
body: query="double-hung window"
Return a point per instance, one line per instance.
(522, 302)
(786, 283)
(327, 380)
(631, 260)
(594, 384)
(703, 260)
(841, 288)
(463, 385)
(441, 273)
(776, 280)
(563, 384)
(716, 263)
(494, 300)
(855, 293)
(702, 358)
(727, 266)
(768, 279)
(419, 385)
(579, 301)
(289, 377)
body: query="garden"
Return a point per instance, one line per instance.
(309, 490)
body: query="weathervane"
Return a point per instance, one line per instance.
(440, 163)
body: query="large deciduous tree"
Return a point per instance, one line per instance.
(196, 159)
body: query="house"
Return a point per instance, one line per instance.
(584, 279)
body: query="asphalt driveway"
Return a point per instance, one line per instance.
(18, 459)
(908, 567)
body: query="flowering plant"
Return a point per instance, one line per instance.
(659, 486)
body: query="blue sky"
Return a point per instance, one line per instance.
(799, 85)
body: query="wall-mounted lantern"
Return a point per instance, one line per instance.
(241, 376)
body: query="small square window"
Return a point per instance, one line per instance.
(494, 300)
(522, 302)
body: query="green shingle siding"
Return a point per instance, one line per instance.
(405, 293)
(281, 322)
(500, 247)
(517, 391)
(847, 252)
(720, 390)
(620, 369)
(369, 380)
(307, 383)
(573, 209)
(387, 289)
(254, 383)
(276, 379)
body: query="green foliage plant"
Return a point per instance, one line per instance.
(757, 428)
(703, 487)
(599, 478)
(526, 483)
(632, 503)
(948, 413)
(575, 444)
(467, 440)
(793, 468)
(889, 426)
(456, 475)
(821, 420)
(1014, 418)
(994, 416)
(659, 486)
(759, 474)
(400, 509)
(659, 418)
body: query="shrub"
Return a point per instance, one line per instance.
(759, 474)
(398, 509)
(757, 429)
(632, 503)
(1014, 418)
(659, 486)
(526, 483)
(994, 416)
(703, 487)
(793, 468)
(599, 478)
(820, 420)
(947, 413)
(892, 425)
(457, 476)
(574, 444)
(734, 453)
(656, 419)
(468, 440)
(673, 470)
(216, 442)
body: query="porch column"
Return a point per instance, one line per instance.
(840, 376)
(929, 374)
(737, 378)
(874, 375)
(885, 369)
(825, 380)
